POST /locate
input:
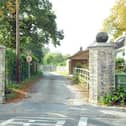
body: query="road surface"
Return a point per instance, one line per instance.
(54, 102)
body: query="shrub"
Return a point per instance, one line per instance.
(116, 97)
(11, 66)
(13, 85)
(76, 78)
(120, 65)
(79, 65)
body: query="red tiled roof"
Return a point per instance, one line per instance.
(81, 55)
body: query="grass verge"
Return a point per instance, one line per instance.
(17, 92)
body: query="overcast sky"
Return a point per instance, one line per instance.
(81, 20)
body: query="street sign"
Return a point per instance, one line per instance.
(28, 59)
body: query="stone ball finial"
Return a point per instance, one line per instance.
(102, 37)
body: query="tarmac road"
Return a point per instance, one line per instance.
(54, 102)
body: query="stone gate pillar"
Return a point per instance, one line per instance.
(101, 67)
(2, 74)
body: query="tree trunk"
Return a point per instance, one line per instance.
(17, 43)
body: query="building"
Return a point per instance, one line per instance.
(79, 58)
(121, 47)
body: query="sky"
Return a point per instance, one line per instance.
(81, 20)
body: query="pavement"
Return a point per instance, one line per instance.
(54, 101)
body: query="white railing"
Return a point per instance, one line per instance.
(83, 74)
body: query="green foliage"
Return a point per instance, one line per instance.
(116, 97)
(11, 66)
(120, 64)
(54, 59)
(81, 65)
(18, 86)
(11, 95)
(76, 78)
(120, 61)
(37, 25)
(13, 86)
(115, 23)
(120, 80)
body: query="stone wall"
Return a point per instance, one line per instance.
(2, 74)
(101, 69)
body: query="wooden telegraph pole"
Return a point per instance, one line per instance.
(17, 43)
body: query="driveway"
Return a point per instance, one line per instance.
(53, 101)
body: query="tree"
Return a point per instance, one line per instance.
(115, 24)
(55, 59)
(17, 42)
(37, 25)
(8, 23)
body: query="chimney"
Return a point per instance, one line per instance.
(81, 48)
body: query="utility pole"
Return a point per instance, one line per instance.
(17, 43)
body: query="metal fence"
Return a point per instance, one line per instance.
(120, 80)
(83, 74)
(10, 67)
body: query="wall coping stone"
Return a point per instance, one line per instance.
(97, 44)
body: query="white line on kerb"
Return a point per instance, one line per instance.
(83, 121)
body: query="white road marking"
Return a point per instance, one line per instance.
(27, 124)
(36, 120)
(42, 117)
(83, 121)
(39, 121)
(6, 122)
(60, 123)
(31, 121)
